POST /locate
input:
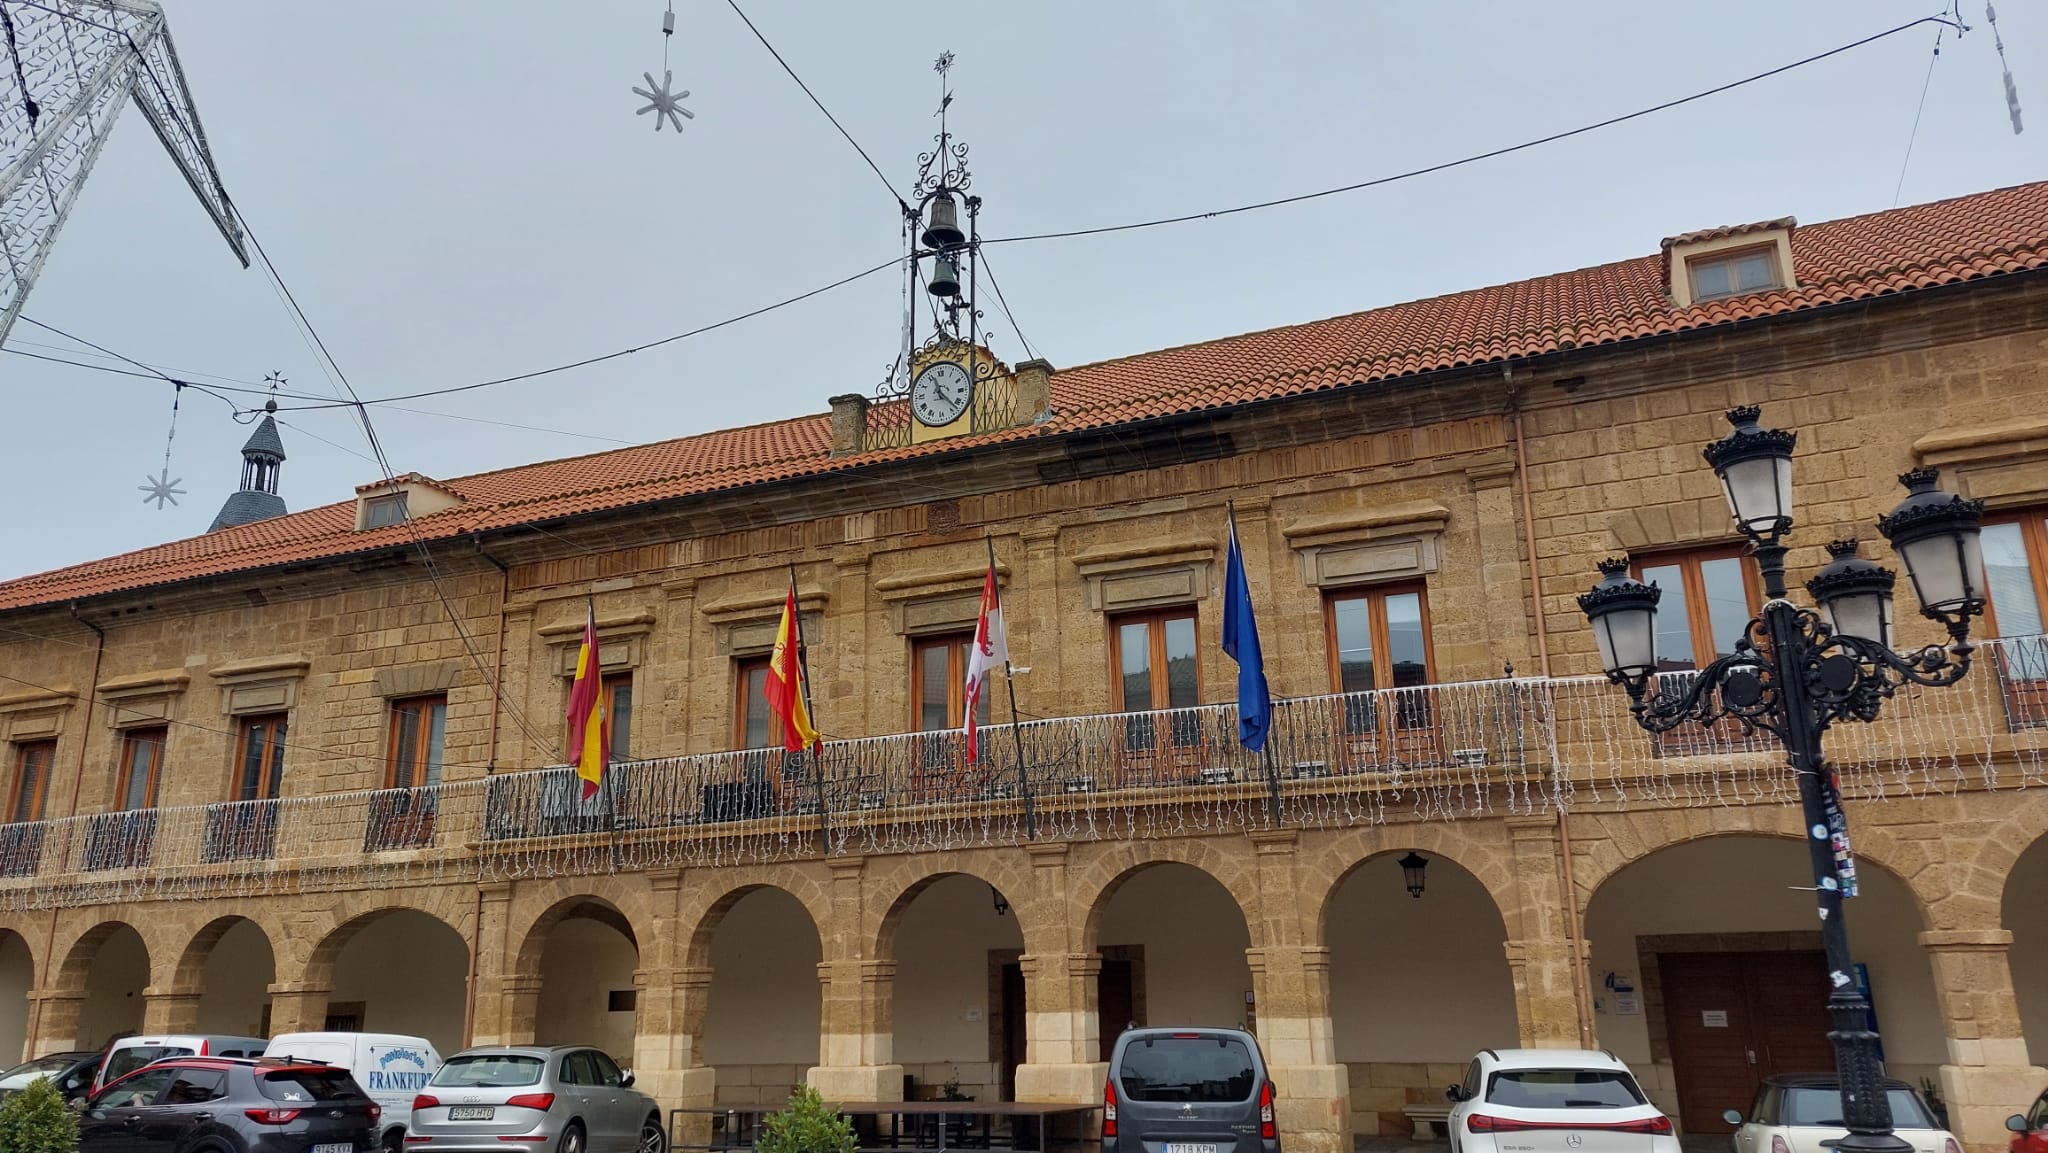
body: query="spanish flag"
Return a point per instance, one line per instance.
(589, 736)
(785, 689)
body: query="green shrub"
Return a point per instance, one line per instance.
(34, 1120)
(806, 1126)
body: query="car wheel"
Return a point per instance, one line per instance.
(572, 1139)
(653, 1138)
(394, 1139)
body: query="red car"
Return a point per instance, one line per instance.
(2030, 1130)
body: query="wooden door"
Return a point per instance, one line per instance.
(1115, 1002)
(1013, 1027)
(1735, 1018)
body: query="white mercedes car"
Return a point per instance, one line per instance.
(1554, 1101)
(1803, 1114)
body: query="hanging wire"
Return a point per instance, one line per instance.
(668, 31)
(177, 395)
(2012, 92)
(1897, 189)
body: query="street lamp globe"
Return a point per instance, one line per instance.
(1623, 613)
(1755, 467)
(1855, 594)
(1936, 534)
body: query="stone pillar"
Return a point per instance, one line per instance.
(844, 694)
(666, 1024)
(672, 645)
(487, 1024)
(1539, 950)
(1988, 1076)
(170, 1010)
(298, 1008)
(57, 1024)
(1502, 564)
(1062, 1033)
(1035, 618)
(856, 1046)
(519, 1001)
(1291, 985)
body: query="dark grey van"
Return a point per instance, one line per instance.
(1188, 1091)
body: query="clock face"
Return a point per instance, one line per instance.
(940, 394)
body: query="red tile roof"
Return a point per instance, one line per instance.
(1923, 246)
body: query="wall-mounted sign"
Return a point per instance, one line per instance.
(1714, 1018)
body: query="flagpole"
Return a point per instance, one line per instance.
(1266, 746)
(1010, 682)
(604, 775)
(803, 677)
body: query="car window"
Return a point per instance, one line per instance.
(1808, 1105)
(1470, 1087)
(125, 1061)
(578, 1069)
(1187, 1068)
(195, 1086)
(2040, 1118)
(607, 1069)
(489, 1071)
(1765, 1111)
(41, 1066)
(1564, 1089)
(308, 1085)
(140, 1089)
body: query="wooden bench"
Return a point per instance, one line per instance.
(1430, 1120)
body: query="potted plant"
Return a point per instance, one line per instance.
(35, 1120)
(807, 1125)
(957, 1122)
(1932, 1092)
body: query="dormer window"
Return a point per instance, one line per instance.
(379, 511)
(1733, 273)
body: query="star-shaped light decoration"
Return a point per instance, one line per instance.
(161, 488)
(664, 104)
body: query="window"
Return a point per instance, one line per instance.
(497, 1070)
(939, 688)
(260, 758)
(1733, 273)
(1188, 1067)
(1564, 1089)
(136, 1091)
(2016, 571)
(1709, 597)
(32, 763)
(196, 1087)
(418, 726)
(755, 725)
(380, 511)
(1155, 661)
(618, 713)
(142, 760)
(1379, 639)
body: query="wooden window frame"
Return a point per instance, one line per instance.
(609, 687)
(129, 739)
(1731, 256)
(1376, 737)
(1692, 738)
(271, 770)
(2025, 697)
(1375, 597)
(956, 646)
(1155, 749)
(40, 797)
(373, 506)
(742, 669)
(942, 752)
(422, 751)
(1157, 619)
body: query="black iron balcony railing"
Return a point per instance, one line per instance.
(240, 831)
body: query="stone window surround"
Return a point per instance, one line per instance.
(1130, 576)
(143, 700)
(1396, 542)
(744, 625)
(262, 685)
(621, 642)
(2005, 464)
(35, 715)
(936, 601)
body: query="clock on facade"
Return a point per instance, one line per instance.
(940, 394)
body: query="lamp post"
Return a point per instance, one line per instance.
(1795, 672)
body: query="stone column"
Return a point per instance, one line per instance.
(843, 693)
(487, 1024)
(298, 1008)
(1031, 611)
(170, 1010)
(856, 1048)
(1988, 1076)
(1539, 949)
(1062, 1035)
(672, 647)
(57, 1024)
(666, 1023)
(1291, 984)
(519, 1001)
(1501, 560)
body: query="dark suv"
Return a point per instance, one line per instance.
(226, 1105)
(1188, 1091)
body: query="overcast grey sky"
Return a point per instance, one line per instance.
(458, 191)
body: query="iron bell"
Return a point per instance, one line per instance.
(945, 278)
(944, 231)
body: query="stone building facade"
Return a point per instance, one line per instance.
(294, 774)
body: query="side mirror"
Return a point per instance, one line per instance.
(1732, 1116)
(626, 1079)
(1455, 1093)
(2016, 1123)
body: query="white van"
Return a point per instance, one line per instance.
(391, 1067)
(131, 1053)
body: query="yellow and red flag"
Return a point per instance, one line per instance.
(785, 687)
(589, 736)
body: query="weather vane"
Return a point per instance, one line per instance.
(665, 105)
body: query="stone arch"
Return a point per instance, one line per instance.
(97, 1011)
(81, 950)
(1324, 872)
(351, 918)
(19, 974)
(1967, 890)
(904, 883)
(577, 905)
(706, 906)
(190, 970)
(1113, 864)
(2025, 889)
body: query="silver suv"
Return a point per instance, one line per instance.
(1188, 1091)
(563, 1098)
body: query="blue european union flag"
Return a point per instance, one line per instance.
(1241, 642)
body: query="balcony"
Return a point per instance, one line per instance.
(1451, 751)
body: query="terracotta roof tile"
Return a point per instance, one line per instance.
(1988, 234)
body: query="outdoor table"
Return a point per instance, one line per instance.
(743, 1121)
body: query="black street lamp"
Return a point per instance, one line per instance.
(1795, 672)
